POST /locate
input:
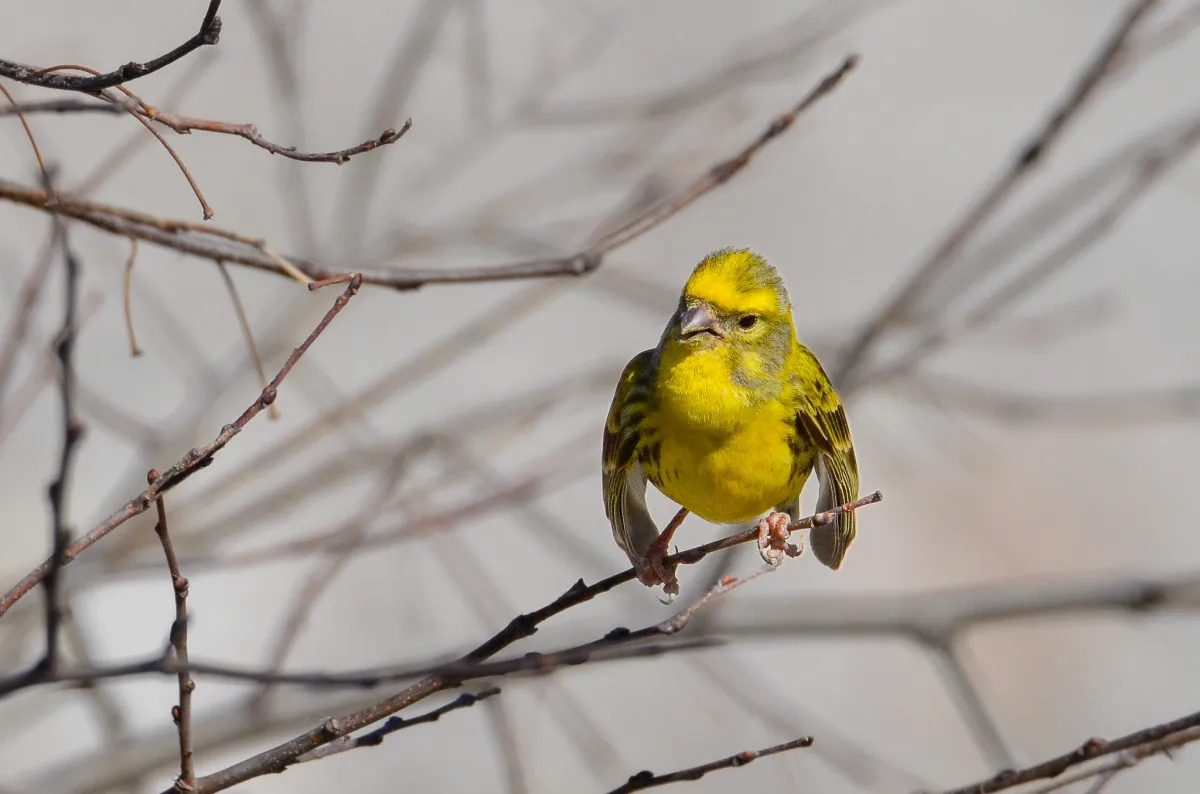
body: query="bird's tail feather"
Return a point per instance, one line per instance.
(634, 529)
(839, 485)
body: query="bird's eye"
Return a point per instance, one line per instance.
(747, 321)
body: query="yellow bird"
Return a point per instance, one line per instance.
(727, 417)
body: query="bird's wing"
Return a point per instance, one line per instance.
(821, 418)
(624, 477)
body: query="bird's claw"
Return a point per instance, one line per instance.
(773, 536)
(652, 569)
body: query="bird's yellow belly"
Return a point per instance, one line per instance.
(730, 479)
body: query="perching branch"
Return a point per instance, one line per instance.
(475, 665)
(472, 665)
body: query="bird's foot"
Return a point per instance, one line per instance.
(773, 535)
(653, 569)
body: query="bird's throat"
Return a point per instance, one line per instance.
(696, 388)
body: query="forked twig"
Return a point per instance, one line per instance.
(181, 714)
(188, 465)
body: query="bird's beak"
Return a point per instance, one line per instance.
(697, 320)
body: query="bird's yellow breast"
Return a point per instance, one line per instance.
(723, 455)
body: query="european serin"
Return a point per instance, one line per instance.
(727, 417)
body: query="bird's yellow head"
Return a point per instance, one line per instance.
(734, 312)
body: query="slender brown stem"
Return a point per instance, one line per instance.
(1092, 748)
(127, 298)
(240, 310)
(181, 714)
(393, 724)
(37, 152)
(188, 465)
(251, 253)
(210, 31)
(471, 666)
(64, 347)
(644, 780)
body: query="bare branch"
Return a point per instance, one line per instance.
(1103, 773)
(127, 297)
(244, 322)
(725, 170)
(188, 465)
(182, 713)
(941, 615)
(393, 724)
(185, 124)
(1181, 730)
(60, 106)
(64, 346)
(37, 152)
(210, 31)
(473, 666)
(644, 780)
(217, 244)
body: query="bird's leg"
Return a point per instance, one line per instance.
(652, 568)
(773, 535)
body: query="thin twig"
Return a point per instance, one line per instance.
(61, 106)
(240, 310)
(188, 465)
(26, 397)
(210, 30)
(109, 711)
(393, 91)
(64, 346)
(615, 645)
(229, 726)
(197, 240)
(1091, 408)
(126, 295)
(205, 209)
(186, 124)
(1092, 748)
(37, 152)
(133, 110)
(1151, 168)
(1027, 159)
(1104, 773)
(121, 155)
(27, 300)
(647, 779)
(942, 615)
(725, 170)
(393, 724)
(182, 713)
(309, 593)
(473, 665)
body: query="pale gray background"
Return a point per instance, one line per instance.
(845, 204)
